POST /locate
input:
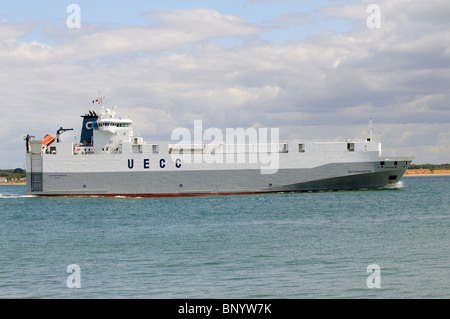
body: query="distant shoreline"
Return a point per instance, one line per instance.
(424, 175)
(409, 172)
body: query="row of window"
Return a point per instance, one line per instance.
(155, 149)
(350, 147)
(114, 124)
(301, 149)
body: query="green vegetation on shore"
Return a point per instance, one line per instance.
(11, 174)
(429, 166)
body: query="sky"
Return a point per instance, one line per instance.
(317, 70)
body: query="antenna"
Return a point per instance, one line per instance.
(27, 139)
(370, 129)
(100, 99)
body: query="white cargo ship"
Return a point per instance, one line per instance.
(109, 160)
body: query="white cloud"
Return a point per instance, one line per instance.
(294, 18)
(175, 30)
(10, 30)
(168, 74)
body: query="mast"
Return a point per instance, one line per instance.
(370, 129)
(102, 104)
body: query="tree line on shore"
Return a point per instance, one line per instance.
(12, 174)
(19, 173)
(429, 166)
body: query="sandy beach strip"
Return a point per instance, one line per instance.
(427, 172)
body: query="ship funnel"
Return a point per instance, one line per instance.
(87, 129)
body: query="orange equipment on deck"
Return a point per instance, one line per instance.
(48, 140)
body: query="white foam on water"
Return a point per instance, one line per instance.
(16, 196)
(398, 185)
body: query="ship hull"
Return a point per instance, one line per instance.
(328, 177)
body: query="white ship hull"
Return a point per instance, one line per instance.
(110, 175)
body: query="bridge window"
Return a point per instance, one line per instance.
(301, 148)
(351, 147)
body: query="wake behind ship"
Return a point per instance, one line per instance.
(109, 160)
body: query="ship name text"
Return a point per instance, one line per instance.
(146, 163)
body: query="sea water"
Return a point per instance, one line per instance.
(391, 243)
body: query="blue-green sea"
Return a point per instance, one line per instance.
(280, 246)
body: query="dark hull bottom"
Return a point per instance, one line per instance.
(169, 195)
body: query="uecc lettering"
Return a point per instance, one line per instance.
(146, 163)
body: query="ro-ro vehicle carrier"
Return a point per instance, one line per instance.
(109, 160)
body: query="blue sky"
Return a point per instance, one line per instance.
(120, 13)
(313, 69)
